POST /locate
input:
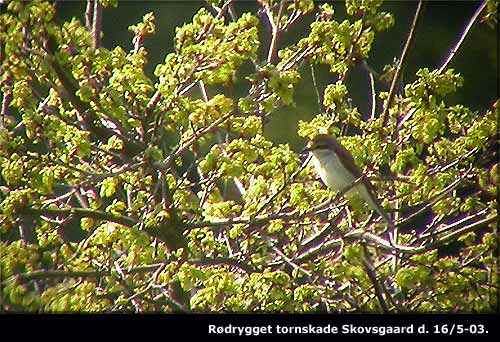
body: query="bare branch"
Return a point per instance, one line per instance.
(287, 260)
(395, 248)
(320, 236)
(88, 14)
(224, 261)
(372, 274)
(461, 39)
(316, 89)
(373, 97)
(7, 97)
(402, 60)
(286, 183)
(54, 274)
(275, 30)
(96, 24)
(81, 212)
(166, 163)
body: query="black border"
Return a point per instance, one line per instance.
(167, 326)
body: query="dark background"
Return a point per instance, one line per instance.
(440, 28)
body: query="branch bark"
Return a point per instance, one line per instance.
(402, 60)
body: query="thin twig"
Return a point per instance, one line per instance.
(292, 215)
(287, 260)
(56, 274)
(224, 261)
(457, 45)
(373, 97)
(129, 291)
(371, 272)
(315, 85)
(402, 60)
(320, 236)
(433, 200)
(323, 249)
(153, 102)
(409, 250)
(81, 212)
(7, 97)
(426, 234)
(286, 183)
(166, 163)
(275, 30)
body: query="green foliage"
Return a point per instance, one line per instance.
(125, 192)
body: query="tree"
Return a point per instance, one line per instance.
(121, 191)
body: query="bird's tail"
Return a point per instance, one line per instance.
(374, 203)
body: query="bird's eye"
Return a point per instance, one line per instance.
(321, 146)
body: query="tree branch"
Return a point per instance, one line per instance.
(96, 25)
(88, 14)
(402, 60)
(56, 274)
(275, 30)
(459, 42)
(166, 163)
(371, 272)
(224, 261)
(81, 212)
(386, 245)
(7, 97)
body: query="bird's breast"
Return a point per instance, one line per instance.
(332, 172)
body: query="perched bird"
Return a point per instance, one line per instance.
(337, 169)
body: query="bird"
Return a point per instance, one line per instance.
(338, 170)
